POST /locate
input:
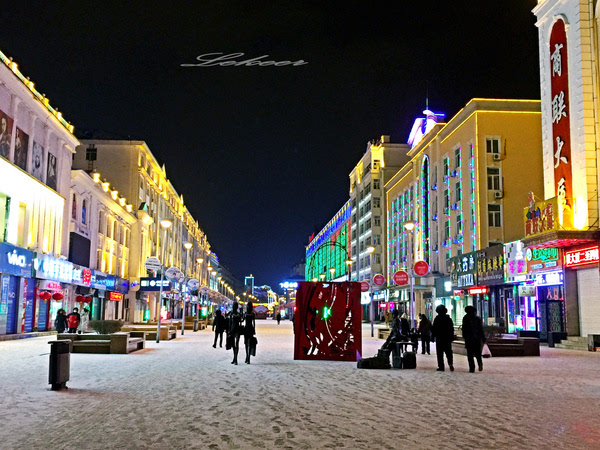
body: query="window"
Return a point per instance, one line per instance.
(376, 184)
(354, 249)
(376, 202)
(447, 230)
(353, 218)
(362, 228)
(459, 224)
(494, 215)
(457, 158)
(377, 221)
(367, 224)
(367, 260)
(100, 222)
(367, 207)
(377, 258)
(457, 193)
(377, 239)
(367, 189)
(354, 202)
(493, 178)
(368, 241)
(492, 145)
(362, 246)
(353, 234)
(446, 201)
(83, 213)
(74, 208)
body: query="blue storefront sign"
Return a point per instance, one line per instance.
(15, 260)
(121, 285)
(99, 280)
(30, 305)
(49, 268)
(153, 284)
(12, 306)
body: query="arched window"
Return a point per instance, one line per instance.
(74, 208)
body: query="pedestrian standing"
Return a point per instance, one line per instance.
(85, 320)
(218, 327)
(233, 332)
(249, 330)
(443, 333)
(73, 320)
(278, 317)
(404, 326)
(472, 331)
(60, 323)
(425, 332)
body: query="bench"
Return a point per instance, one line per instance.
(167, 332)
(116, 343)
(383, 333)
(521, 346)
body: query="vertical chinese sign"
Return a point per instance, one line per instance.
(561, 131)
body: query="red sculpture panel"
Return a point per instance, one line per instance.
(327, 322)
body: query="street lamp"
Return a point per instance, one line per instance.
(410, 227)
(332, 271)
(188, 246)
(165, 224)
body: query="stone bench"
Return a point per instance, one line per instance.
(521, 346)
(167, 332)
(116, 343)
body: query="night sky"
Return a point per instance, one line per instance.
(262, 154)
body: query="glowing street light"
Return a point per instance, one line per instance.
(410, 227)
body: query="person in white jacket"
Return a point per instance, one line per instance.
(85, 320)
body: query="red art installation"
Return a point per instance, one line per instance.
(327, 322)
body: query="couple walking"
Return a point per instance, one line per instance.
(443, 333)
(237, 325)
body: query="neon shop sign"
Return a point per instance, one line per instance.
(549, 278)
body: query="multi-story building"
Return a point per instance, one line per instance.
(106, 238)
(136, 174)
(463, 191)
(36, 146)
(328, 253)
(566, 298)
(380, 162)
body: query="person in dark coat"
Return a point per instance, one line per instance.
(218, 327)
(233, 332)
(425, 332)
(443, 333)
(278, 317)
(73, 320)
(249, 330)
(60, 323)
(404, 325)
(472, 331)
(395, 332)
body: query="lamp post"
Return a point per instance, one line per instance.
(165, 224)
(410, 227)
(188, 246)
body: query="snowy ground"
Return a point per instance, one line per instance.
(185, 394)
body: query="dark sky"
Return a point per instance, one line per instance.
(262, 154)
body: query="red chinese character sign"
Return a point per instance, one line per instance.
(327, 322)
(421, 268)
(401, 278)
(561, 130)
(364, 286)
(379, 279)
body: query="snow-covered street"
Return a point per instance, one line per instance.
(186, 394)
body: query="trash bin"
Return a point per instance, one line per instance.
(60, 363)
(195, 324)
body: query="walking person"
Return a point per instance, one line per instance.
(218, 327)
(233, 332)
(425, 332)
(249, 330)
(85, 320)
(443, 333)
(73, 320)
(60, 323)
(278, 317)
(472, 331)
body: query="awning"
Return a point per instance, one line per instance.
(562, 238)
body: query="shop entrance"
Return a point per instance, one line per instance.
(550, 314)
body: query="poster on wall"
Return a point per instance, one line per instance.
(327, 322)
(21, 148)
(29, 296)
(6, 125)
(37, 161)
(51, 175)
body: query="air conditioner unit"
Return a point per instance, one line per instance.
(497, 157)
(498, 194)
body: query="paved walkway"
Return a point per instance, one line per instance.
(183, 394)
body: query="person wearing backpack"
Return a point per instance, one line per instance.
(218, 327)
